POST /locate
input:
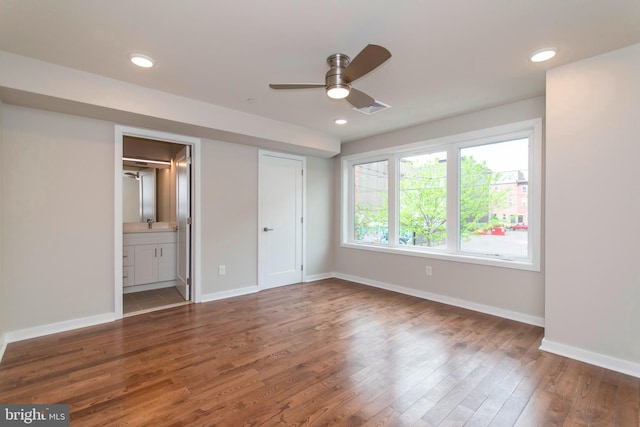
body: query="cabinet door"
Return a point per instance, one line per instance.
(127, 256)
(128, 275)
(146, 264)
(167, 262)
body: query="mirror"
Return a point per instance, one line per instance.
(148, 186)
(139, 195)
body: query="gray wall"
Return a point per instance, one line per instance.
(320, 207)
(593, 203)
(512, 293)
(58, 189)
(229, 216)
(58, 212)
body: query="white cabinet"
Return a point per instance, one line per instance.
(146, 267)
(128, 265)
(154, 263)
(167, 263)
(149, 258)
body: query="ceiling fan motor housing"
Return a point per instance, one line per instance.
(334, 79)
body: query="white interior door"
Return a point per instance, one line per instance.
(281, 219)
(183, 206)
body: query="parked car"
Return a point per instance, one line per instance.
(518, 226)
(498, 230)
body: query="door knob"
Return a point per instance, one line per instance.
(268, 229)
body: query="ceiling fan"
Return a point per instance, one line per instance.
(343, 71)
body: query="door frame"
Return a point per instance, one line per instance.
(196, 244)
(262, 153)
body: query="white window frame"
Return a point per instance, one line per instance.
(452, 145)
(351, 194)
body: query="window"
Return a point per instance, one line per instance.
(370, 202)
(423, 200)
(451, 198)
(489, 173)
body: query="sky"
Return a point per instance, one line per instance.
(502, 156)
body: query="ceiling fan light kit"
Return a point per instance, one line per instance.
(342, 72)
(337, 86)
(338, 91)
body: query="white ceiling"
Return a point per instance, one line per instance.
(449, 56)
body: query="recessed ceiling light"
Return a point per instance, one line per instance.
(340, 121)
(141, 60)
(543, 54)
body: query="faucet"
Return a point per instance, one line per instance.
(149, 221)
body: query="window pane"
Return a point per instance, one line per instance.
(371, 202)
(493, 205)
(423, 200)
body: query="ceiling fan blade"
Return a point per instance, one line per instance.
(295, 86)
(359, 99)
(369, 58)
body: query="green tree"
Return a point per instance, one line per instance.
(372, 220)
(479, 197)
(423, 201)
(371, 201)
(423, 198)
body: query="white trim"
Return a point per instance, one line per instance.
(54, 328)
(315, 277)
(195, 143)
(196, 220)
(445, 256)
(215, 296)
(152, 309)
(598, 359)
(487, 309)
(117, 223)
(303, 255)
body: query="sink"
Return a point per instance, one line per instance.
(143, 227)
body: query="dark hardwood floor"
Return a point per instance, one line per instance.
(324, 353)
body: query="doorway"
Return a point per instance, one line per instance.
(281, 219)
(157, 240)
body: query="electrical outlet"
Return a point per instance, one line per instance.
(222, 270)
(428, 270)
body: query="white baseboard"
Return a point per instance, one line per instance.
(215, 296)
(495, 311)
(592, 358)
(314, 277)
(54, 328)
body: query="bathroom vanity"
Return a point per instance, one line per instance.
(148, 258)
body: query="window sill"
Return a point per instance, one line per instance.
(466, 258)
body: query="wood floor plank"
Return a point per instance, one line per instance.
(328, 353)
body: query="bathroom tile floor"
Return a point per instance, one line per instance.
(150, 300)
